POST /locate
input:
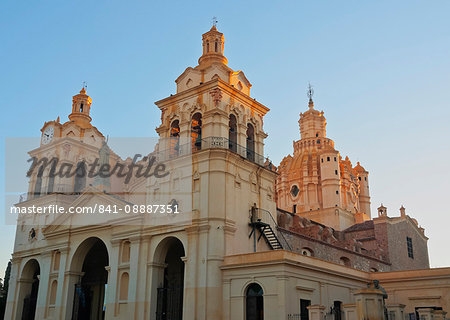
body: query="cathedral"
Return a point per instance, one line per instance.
(206, 227)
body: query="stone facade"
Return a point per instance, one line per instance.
(374, 245)
(223, 256)
(316, 183)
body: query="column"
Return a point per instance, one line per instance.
(226, 299)
(59, 303)
(44, 265)
(133, 276)
(395, 311)
(156, 275)
(282, 296)
(316, 312)
(242, 139)
(13, 290)
(439, 314)
(185, 135)
(142, 279)
(426, 313)
(370, 304)
(190, 274)
(350, 311)
(111, 290)
(71, 279)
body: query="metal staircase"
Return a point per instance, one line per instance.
(263, 221)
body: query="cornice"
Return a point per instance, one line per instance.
(206, 87)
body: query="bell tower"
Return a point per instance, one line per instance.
(213, 44)
(81, 107)
(212, 135)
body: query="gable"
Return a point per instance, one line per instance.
(240, 82)
(188, 79)
(94, 208)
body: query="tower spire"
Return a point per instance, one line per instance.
(81, 107)
(310, 94)
(213, 44)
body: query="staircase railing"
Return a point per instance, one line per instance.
(178, 150)
(264, 217)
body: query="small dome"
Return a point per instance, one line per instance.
(359, 168)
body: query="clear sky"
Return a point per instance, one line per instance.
(380, 70)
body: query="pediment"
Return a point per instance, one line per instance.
(95, 203)
(217, 71)
(70, 130)
(240, 82)
(188, 79)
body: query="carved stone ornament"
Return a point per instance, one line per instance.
(216, 95)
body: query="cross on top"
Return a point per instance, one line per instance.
(85, 85)
(214, 21)
(310, 91)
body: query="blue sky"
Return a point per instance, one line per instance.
(380, 70)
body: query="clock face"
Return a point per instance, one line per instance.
(47, 136)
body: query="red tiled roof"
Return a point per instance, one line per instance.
(360, 226)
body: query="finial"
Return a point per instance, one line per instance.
(214, 23)
(310, 94)
(83, 88)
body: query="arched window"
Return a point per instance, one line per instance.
(175, 138)
(207, 46)
(254, 304)
(196, 131)
(124, 280)
(81, 107)
(38, 184)
(250, 142)
(232, 133)
(80, 177)
(125, 256)
(216, 47)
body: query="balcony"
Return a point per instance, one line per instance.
(209, 143)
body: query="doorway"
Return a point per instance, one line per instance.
(89, 296)
(169, 305)
(30, 275)
(254, 304)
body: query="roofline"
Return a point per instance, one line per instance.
(202, 88)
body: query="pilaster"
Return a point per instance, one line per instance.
(316, 312)
(45, 264)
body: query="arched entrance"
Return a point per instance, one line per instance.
(254, 302)
(169, 305)
(29, 289)
(91, 259)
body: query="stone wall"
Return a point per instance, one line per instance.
(310, 238)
